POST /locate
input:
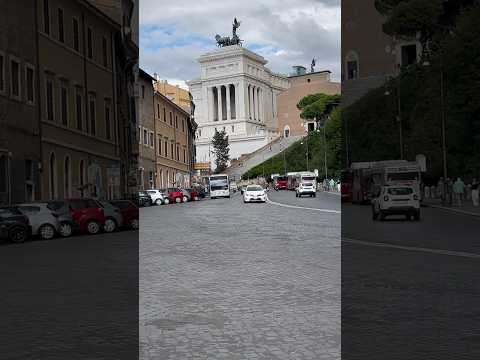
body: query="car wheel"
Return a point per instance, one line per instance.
(65, 229)
(110, 225)
(134, 224)
(93, 227)
(185, 199)
(178, 200)
(314, 195)
(18, 234)
(46, 232)
(166, 201)
(158, 202)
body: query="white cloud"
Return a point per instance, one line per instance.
(285, 32)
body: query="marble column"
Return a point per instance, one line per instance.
(227, 95)
(250, 101)
(211, 104)
(219, 96)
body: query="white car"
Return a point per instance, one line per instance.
(158, 198)
(44, 221)
(396, 200)
(254, 193)
(306, 188)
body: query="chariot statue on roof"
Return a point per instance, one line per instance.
(223, 41)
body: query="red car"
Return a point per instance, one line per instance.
(176, 195)
(129, 212)
(87, 214)
(194, 195)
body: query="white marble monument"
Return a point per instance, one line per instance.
(235, 93)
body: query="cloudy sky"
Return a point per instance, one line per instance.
(173, 34)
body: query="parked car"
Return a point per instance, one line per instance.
(396, 200)
(186, 193)
(14, 225)
(194, 195)
(87, 214)
(144, 199)
(113, 217)
(176, 195)
(61, 210)
(129, 212)
(158, 197)
(201, 191)
(164, 193)
(254, 193)
(44, 222)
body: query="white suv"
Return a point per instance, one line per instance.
(158, 198)
(396, 200)
(306, 188)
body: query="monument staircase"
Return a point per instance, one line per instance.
(247, 161)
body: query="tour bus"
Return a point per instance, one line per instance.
(280, 182)
(295, 178)
(219, 186)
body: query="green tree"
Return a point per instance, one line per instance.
(221, 149)
(316, 106)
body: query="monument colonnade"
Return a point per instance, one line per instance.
(225, 102)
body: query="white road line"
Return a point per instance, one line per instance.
(302, 207)
(412, 248)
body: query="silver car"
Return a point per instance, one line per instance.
(113, 217)
(43, 221)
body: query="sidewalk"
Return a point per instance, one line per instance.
(467, 207)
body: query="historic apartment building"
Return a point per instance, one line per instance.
(146, 131)
(369, 56)
(175, 93)
(289, 121)
(175, 143)
(20, 151)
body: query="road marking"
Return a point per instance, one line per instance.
(302, 207)
(412, 248)
(458, 211)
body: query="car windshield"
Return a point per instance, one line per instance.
(307, 184)
(5, 212)
(308, 178)
(408, 176)
(400, 191)
(143, 193)
(282, 178)
(254, 188)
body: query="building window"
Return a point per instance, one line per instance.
(166, 148)
(164, 115)
(145, 137)
(61, 32)
(176, 122)
(79, 109)
(90, 43)
(46, 17)
(286, 131)
(150, 140)
(233, 128)
(172, 151)
(49, 96)
(2, 73)
(352, 70)
(53, 176)
(76, 44)
(183, 125)
(199, 132)
(15, 78)
(159, 151)
(158, 111)
(108, 125)
(171, 119)
(29, 83)
(143, 92)
(409, 54)
(184, 155)
(64, 102)
(178, 153)
(104, 52)
(93, 114)
(67, 188)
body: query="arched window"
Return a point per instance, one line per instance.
(53, 176)
(67, 179)
(351, 65)
(286, 131)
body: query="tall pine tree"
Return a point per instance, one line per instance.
(221, 150)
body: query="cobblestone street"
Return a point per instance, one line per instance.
(220, 279)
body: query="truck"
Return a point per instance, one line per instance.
(369, 177)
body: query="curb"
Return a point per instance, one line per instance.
(453, 210)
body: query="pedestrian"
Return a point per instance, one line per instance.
(332, 184)
(475, 192)
(449, 191)
(441, 189)
(459, 190)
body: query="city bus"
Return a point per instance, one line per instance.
(219, 186)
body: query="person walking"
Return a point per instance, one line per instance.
(441, 190)
(449, 191)
(475, 192)
(459, 190)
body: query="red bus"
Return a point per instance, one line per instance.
(281, 182)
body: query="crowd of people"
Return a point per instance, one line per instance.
(331, 185)
(454, 192)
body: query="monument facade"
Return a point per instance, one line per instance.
(236, 93)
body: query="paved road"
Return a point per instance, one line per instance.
(410, 290)
(220, 279)
(72, 298)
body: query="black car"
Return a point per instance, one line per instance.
(144, 199)
(14, 225)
